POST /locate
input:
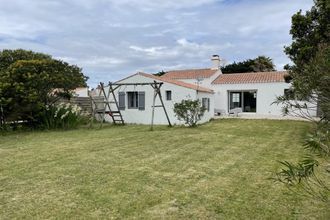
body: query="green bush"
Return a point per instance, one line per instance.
(189, 111)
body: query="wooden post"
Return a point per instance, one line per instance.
(161, 100)
(91, 123)
(153, 107)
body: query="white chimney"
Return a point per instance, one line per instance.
(215, 62)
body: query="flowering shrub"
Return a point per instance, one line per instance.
(61, 116)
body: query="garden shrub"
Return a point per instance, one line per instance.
(189, 111)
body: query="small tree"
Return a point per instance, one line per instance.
(189, 111)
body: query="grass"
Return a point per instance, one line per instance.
(217, 171)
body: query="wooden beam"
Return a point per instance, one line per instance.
(161, 100)
(153, 109)
(136, 84)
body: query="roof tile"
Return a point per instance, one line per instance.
(189, 74)
(255, 77)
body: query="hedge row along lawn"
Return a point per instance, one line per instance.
(217, 170)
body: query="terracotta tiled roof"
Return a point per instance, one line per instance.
(257, 77)
(178, 83)
(189, 74)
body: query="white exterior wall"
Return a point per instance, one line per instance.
(208, 114)
(136, 116)
(81, 92)
(266, 95)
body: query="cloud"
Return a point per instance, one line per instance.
(161, 4)
(110, 39)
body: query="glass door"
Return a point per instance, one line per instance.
(235, 100)
(249, 101)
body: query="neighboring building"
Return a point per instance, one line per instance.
(80, 92)
(135, 101)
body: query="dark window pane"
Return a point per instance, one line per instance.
(132, 99)
(168, 95)
(235, 100)
(250, 101)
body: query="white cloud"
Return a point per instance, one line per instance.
(150, 50)
(156, 4)
(112, 38)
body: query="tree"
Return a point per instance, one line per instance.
(310, 91)
(28, 80)
(262, 64)
(189, 111)
(309, 53)
(259, 64)
(160, 73)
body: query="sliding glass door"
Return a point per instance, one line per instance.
(246, 100)
(235, 100)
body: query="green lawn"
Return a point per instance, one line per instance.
(217, 171)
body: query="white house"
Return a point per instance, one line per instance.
(253, 93)
(136, 101)
(250, 93)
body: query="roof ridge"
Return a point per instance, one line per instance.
(187, 70)
(282, 71)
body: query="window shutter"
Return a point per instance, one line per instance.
(121, 97)
(208, 104)
(204, 103)
(141, 101)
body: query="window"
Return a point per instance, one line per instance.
(235, 100)
(246, 100)
(168, 95)
(132, 99)
(235, 97)
(206, 103)
(135, 100)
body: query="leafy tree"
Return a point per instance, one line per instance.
(8, 57)
(310, 78)
(189, 111)
(308, 32)
(239, 67)
(28, 80)
(259, 64)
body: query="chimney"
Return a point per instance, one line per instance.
(215, 62)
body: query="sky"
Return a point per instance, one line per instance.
(111, 39)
